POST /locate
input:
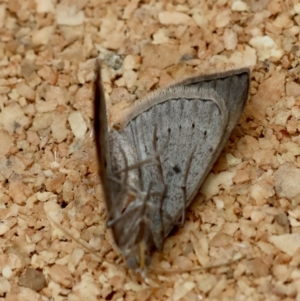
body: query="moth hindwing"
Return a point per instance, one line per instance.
(152, 167)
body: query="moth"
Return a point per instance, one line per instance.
(152, 165)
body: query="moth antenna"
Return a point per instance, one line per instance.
(70, 236)
(209, 267)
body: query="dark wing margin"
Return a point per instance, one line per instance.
(234, 89)
(101, 135)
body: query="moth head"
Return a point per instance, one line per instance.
(132, 235)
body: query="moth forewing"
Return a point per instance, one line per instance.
(154, 164)
(101, 137)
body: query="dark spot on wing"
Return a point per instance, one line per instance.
(205, 133)
(193, 125)
(176, 169)
(211, 149)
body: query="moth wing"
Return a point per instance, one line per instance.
(102, 142)
(100, 131)
(187, 125)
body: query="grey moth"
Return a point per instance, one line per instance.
(152, 165)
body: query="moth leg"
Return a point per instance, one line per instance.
(144, 230)
(160, 172)
(183, 187)
(146, 199)
(148, 160)
(142, 222)
(137, 165)
(140, 206)
(125, 190)
(156, 161)
(154, 217)
(161, 213)
(129, 192)
(157, 156)
(125, 181)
